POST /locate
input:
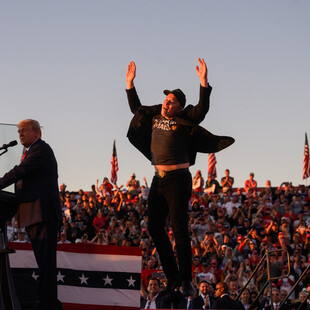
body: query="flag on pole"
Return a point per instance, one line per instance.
(114, 165)
(89, 276)
(211, 164)
(306, 165)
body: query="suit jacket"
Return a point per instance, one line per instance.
(286, 306)
(201, 140)
(39, 196)
(161, 301)
(179, 301)
(198, 302)
(225, 302)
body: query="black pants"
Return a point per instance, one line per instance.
(170, 195)
(43, 237)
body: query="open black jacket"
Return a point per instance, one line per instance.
(140, 129)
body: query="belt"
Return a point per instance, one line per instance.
(163, 173)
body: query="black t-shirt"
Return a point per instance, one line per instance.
(170, 142)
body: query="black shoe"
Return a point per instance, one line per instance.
(172, 285)
(187, 288)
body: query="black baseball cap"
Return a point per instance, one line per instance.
(178, 94)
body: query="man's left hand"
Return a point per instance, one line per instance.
(202, 72)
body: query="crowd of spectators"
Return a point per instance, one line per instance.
(231, 229)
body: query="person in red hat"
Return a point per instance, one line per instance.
(282, 243)
(216, 270)
(63, 238)
(198, 182)
(239, 253)
(196, 266)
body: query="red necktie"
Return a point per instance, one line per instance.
(24, 155)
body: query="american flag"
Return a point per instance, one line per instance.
(211, 164)
(89, 276)
(306, 165)
(114, 165)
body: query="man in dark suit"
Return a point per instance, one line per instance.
(204, 300)
(276, 301)
(223, 300)
(155, 300)
(36, 188)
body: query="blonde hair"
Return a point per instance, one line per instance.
(35, 125)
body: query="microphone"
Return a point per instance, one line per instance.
(5, 146)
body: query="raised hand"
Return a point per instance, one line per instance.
(130, 74)
(202, 72)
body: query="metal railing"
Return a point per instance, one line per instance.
(293, 288)
(269, 280)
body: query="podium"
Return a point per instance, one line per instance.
(8, 296)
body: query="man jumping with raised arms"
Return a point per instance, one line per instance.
(169, 136)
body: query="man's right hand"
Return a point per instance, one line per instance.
(130, 74)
